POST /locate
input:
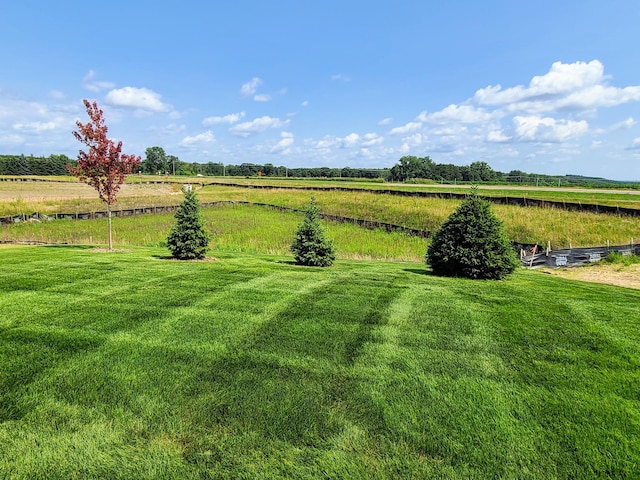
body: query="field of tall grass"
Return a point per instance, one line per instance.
(523, 224)
(234, 228)
(612, 197)
(557, 227)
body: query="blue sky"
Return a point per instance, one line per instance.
(546, 87)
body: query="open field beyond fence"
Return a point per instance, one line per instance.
(553, 227)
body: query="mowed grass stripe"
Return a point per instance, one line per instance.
(427, 386)
(258, 368)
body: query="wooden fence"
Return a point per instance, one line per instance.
(530, 255)
(506, 200)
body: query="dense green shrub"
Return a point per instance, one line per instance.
(188, 239)
(472, 243)
(310, 246)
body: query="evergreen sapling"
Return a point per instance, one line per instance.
(311, 247)
(472, 243)
(188, 239)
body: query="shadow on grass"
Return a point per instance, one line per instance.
(69, 246)
(419, 271)
(284, 262)
(163, 257)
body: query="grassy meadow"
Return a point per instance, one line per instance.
(560, 228)
(235, 228)
(613, 197)
(132, 365)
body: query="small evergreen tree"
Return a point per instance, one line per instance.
(472, 244)
(188, 239)
(310, 246)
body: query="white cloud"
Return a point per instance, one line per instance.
(635, 144)
(340, 77)
(305, 103)
(577, 86)
(38, 128)
(458, 114)
(34, 127)
(415, 139)
(449, 131)
(287, 139)
(205, 137)
(283, 146)
(327, 142)
(140, 98)
(230, 119)
(351, 140)
(385, 121)
(262, 98)
(90, 83)
(627, 123)
(257, 125)
(405, 129)
(561, 79)
(364, 153)
(170, 129)
(57, 94)
(623, 125)
(497, 136)
(371, 139)
(598, 96)
(250, 87)
(544, 129)
(12, 139)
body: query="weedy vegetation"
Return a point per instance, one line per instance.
(560, 228)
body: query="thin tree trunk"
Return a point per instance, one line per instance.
(109, 222)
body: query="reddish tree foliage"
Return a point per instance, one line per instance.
(103, 166)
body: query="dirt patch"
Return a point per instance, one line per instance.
(44, 191)
(610, 274)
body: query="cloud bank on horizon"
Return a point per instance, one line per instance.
(572, 117)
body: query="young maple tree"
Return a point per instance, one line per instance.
(103, 166)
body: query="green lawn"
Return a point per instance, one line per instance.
(130, 365)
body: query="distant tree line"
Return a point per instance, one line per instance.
(411, 168)
(157, 162)
(269, 170)
(23, 165)
(408, 169)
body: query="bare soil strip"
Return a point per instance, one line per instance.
(610, 274)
